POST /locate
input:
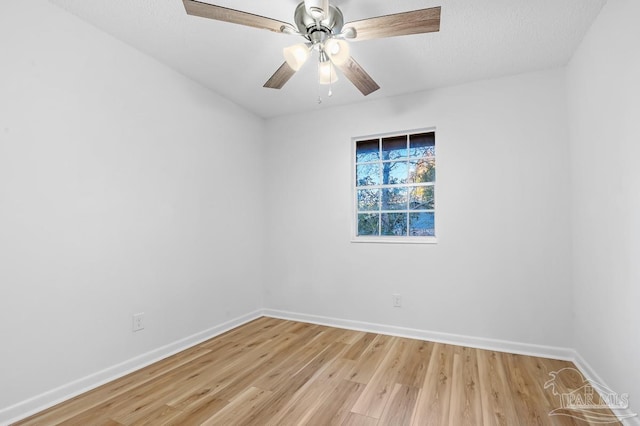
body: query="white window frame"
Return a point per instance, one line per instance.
(392, 239)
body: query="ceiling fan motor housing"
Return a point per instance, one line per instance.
(331, 24)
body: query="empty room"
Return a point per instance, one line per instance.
(343, 212)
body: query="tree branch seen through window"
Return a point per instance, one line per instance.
(395, 185)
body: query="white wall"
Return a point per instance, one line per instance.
(501, 266)
(124, 187)
(603, 81)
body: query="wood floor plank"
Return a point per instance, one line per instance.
(227, 377)
(208, 376)
(539, 369)
(122, 405)
(239, 411)
(567, 380)
(233, 381)
(434, 398)
(377, 392)
(249, 330)
(336, 406)
(108, 422)
(375, 395)
(529, 398)
(466, 402)
(162, 414)
(360, 345)
(141, 406)
(199, 413)
(301, 327)
(400, 406)
(296, 360)
(350, 337)
(309, 397)
(497, 397)
(414, 367)
(276, 372)
(354, 419)
(285, 391)
(95, 397)
(369, 360)
(177, 384)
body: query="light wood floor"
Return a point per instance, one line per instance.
(275, 372)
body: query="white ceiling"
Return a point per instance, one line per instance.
(478, 39)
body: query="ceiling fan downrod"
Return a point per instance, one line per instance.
(317, 9)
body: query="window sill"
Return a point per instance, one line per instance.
(395, 240)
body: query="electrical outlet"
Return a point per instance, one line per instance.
(397, 300)
(138, 321)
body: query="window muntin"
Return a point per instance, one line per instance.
(395, 187)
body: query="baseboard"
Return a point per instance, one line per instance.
(626, 417)
(433, 336)
(50, 398)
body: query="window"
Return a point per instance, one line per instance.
(394, 193)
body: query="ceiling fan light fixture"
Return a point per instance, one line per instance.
(296, 55)
(337, 50)
(326, 73)
(317, 9)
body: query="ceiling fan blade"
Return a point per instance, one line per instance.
(280, 77)
(220, 13)
(358, 76)
(406, 23)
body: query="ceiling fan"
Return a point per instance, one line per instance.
(322, 26)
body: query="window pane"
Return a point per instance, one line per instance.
(368, 224)
(368, 199)
(421, 224)
(367, 151)
(395, 186)
(422, 170)
(394, 223)
(421, 198)
(394, 199)
(395, 172)
(368, 174)
(394, 148)
(422, 145)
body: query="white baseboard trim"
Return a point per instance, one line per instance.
(432, 336)
(67, 391)
(626, 417)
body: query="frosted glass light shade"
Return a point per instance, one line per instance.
(327, 73)
(337, 50)
(296, 55)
